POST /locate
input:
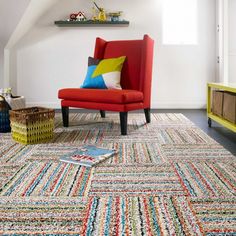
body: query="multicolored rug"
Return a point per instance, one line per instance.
(169, 178)
(41, 215)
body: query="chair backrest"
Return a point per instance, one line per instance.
(137, 70)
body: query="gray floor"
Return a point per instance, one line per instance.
(222, 135)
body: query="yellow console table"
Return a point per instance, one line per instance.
(230, 87)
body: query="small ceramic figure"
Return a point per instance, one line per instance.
(81, 16)
(115, 16)
(73, 16)
(102, 14)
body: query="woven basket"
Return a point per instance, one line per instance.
(4, 116)
(32, 125)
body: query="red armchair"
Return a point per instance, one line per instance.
(136, 78)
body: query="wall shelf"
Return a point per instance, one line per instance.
(90, 23)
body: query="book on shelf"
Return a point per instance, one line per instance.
(88, 155)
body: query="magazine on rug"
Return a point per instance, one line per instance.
(88, 155)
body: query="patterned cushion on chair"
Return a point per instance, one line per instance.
(104, 74)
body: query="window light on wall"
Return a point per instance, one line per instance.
(179, 22)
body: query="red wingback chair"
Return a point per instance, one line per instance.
(136, 78)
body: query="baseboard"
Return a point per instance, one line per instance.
(200, 105)
(154, 105)
(44, 104)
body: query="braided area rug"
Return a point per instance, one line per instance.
(169, 178)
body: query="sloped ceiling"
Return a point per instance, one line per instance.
(33, 12)
(11, 12)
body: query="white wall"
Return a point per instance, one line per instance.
(232, 41)
(8, 9)
(1, 64)
(49, 58)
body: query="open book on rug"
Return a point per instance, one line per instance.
(88, 155)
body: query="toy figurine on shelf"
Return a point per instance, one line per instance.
(94, 17)
(73, 16)
(101, 15)
(80, 16)
(115, 16)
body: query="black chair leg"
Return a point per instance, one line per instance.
(147, 115)
(123, 122)
(103, 113)
(65, 116)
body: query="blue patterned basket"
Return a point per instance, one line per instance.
(4, 116)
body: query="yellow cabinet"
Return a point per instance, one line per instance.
(223, 87)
